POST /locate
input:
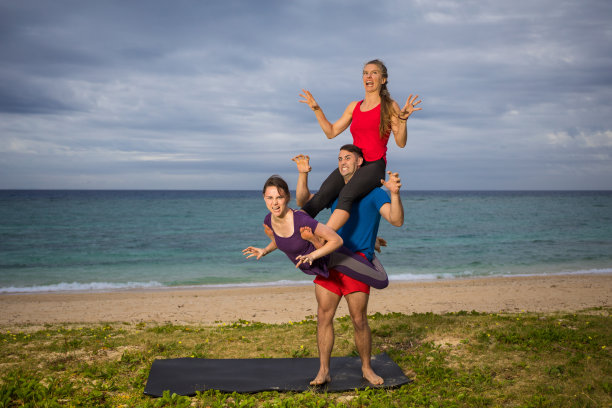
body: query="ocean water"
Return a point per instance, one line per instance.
(109, 240)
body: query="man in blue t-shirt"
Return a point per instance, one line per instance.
(359, 235)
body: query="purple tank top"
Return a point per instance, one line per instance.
(294, 245)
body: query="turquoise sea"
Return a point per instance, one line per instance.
(110, 240)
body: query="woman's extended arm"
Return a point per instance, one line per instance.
(331, 130)
(261, 252)
(333, 242)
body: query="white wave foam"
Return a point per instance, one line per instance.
(246, 284)
(80, 287)
(410, 277)
(414, 277)
(579, 272)
(108, 286)
(469, 274)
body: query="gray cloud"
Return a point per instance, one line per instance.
(204, 94)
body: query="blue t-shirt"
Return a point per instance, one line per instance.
(359, 232)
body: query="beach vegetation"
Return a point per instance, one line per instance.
(462, 359)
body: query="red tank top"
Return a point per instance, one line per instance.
(366, 136)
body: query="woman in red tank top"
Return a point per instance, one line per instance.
(371, 121)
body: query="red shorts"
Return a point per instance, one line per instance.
(340, 284)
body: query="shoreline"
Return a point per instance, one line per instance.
(284, 304)
(140, 286)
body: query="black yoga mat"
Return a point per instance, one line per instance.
(185, 376)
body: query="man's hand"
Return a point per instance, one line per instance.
(302, 193)
(303, 163)
(393, 211)
(393, 184)
(380, 242)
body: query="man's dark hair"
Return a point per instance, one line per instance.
(353, 149)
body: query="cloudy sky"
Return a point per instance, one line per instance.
(204, 94)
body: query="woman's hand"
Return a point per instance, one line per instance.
(309, 100)
(410, 107)
(303, 259)
(252, 251)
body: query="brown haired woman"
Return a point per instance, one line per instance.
(289, 227)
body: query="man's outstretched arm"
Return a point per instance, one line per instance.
(302, 193)
(393, 212)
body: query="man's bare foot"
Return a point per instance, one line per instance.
(372, 377)
(321, 378)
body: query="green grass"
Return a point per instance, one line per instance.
(464, 359)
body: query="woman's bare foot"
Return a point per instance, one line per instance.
(321, 378)
(307, 235)
(372, 377)
(269, 232)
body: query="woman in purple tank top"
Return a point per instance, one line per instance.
(286, 226)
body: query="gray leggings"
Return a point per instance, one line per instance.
(357, 267)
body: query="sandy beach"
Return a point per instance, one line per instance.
(552, 293)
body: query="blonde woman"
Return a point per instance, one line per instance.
(371, 121)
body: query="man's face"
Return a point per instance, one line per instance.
(348, 164)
